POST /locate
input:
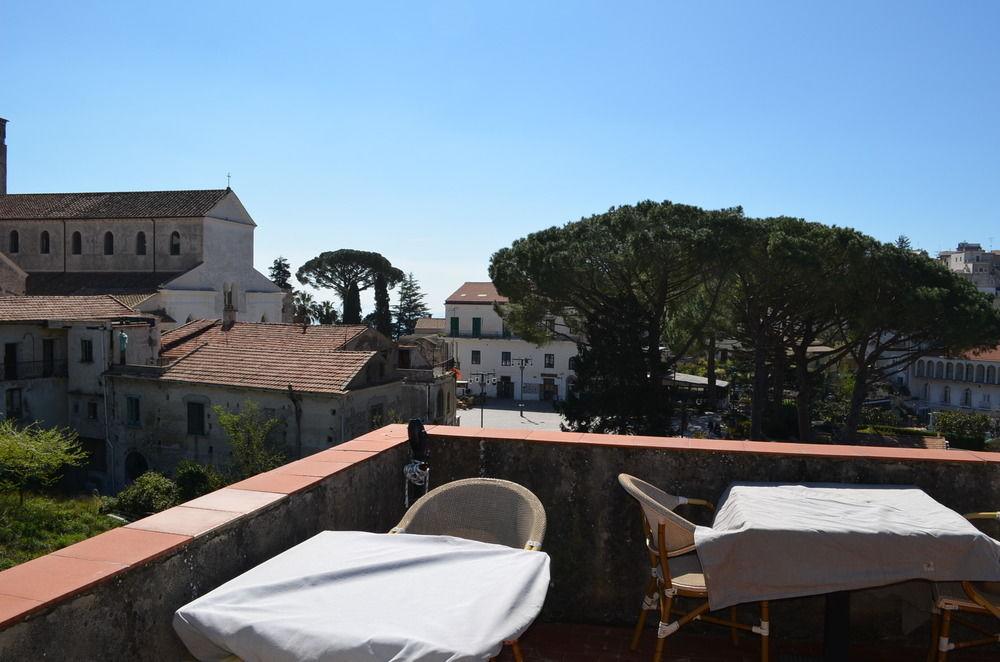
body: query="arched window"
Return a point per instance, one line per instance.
(949, 371)
(77, 242)
(43, 243)
(263, 319)
(980, 374)
(15, 242)
(175, 243)
(109, 243)
(939, 370)
(920, 366)
(927, 392)
(946, 395)
(140, 243)
(967, 398)
(991, 375)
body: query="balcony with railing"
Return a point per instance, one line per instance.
(12, 371)
(115, 595)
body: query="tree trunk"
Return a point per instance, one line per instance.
(710, 392)
(858, 395)
(758, 404)
(803, 401)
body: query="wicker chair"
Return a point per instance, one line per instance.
(950, 598)
(483, 509)
(677, 572)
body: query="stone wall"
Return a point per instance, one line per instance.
(594, 535)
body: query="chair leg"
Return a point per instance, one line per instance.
(641, 623)
(943, 640)
(515, 647)
(765, 631)
(666, 604)
(733, 632)
(935, 633)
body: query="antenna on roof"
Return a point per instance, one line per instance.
(228, 178)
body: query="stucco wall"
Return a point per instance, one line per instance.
(162, 436)
(490, 352)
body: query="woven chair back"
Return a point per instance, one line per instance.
(658, 508)
(484, 509)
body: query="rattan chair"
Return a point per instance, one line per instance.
(950, 598)
(675, 570)
(484, 509)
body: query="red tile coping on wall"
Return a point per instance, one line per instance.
(719, 445)
(38, 584)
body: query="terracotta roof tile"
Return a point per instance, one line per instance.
(22, 309)
(270, 356)
(476, 292)
(128, 283)
(125, 204)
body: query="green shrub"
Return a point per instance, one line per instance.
(962, 429)
(194, 480)
(149, 493)
(874, 416)
(43, 524)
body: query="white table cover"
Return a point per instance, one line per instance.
(772, 540)
(363, 597)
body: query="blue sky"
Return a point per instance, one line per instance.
(437, 133)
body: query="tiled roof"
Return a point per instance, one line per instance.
(476, 293)
(130, 283)
(275, 337)
(985, 355)
(271, 356)
(27, 308)
(126, 204)
(431, 324)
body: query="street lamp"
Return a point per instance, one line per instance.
(483, 378)
(521, 363)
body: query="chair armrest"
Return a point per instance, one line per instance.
(980, 600)
(395, 530)
(533, 546)
(699, 502)
(986, 515)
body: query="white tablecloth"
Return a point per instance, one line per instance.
(351, 597)
(771, 541)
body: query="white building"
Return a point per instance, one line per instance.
(980, 267)
(486, 350)
(182, 255)
(56, 352)
(969, 382)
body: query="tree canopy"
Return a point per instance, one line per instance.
(281, 273)
(349, 272)
(410, 306)
(616, 279)
(642, 286)
(35, 456)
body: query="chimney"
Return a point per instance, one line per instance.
(3, 156)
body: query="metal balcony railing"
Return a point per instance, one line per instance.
(32, 369)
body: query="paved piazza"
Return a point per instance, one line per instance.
(506, 414)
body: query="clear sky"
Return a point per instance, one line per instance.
(437, 133)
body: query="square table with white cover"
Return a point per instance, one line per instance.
(351, 596)
(775, 540)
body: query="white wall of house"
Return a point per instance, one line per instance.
(948, 383)
(483, 347)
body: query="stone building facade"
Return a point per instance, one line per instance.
(324, 385)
